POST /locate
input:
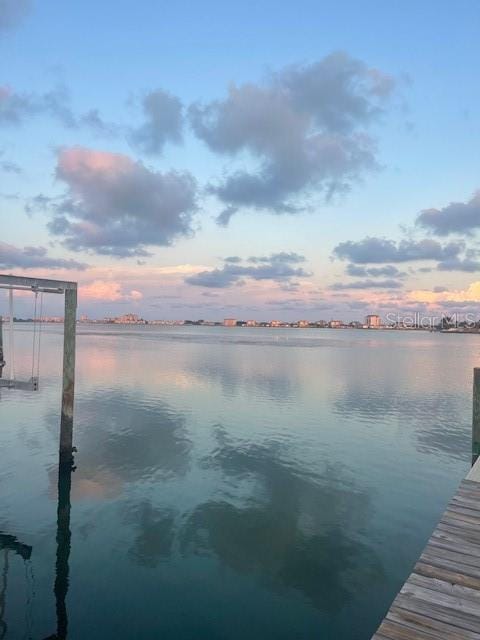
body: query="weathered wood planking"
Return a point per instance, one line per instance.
(441, 598)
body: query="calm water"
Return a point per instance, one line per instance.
(230, 483)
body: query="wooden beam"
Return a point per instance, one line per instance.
(18, 287)
(20, 281)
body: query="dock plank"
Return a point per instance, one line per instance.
(428, 624)
(441, 598)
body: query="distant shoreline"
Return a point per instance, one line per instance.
(263, 325)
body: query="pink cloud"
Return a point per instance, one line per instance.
(76, 164)
(118, 206)
(108, 291)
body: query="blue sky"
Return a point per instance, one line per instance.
(62, 61)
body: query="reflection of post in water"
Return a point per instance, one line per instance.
(9, 544)
(2, 361)
(63, 549)
(3, 591)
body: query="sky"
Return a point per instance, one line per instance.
(257, 160)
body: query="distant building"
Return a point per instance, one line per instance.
(251, 323)
(230, 322)
(373, 321)
(129, 318)
(303, 324)
(335, 324)
(275, 323)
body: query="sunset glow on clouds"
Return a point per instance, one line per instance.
(285, 184)
(108, 291)
(115, 206)
(471, 294)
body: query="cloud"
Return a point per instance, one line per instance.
(366, 284)
(116, 206)
(278, 267)
(226, 215)
(12, 12)
(16, 108)
(9, 167)
(33, 257)
(108, 291)
(217, 278)
(282, 257)
(453, 256)
(457, 217)
(93, 121)
(299, 305)
(459, 264)
(388, 271)
(40, 202)
(470, 294)
(305, 125)
(163, 122)
(373, 250)
(357, 304)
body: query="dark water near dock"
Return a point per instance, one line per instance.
(231, 483)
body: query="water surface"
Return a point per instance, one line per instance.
(229, 483)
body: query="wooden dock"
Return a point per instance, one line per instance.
(441, 598)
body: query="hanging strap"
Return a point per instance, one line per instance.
(11, 367)
(39, 334)
(34, 345)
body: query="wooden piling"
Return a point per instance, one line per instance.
(476, 416)
(66, 425)
(2, 360)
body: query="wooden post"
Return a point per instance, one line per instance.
(2, 361)
(476, 416)
(66, 424)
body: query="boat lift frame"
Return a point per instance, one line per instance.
(69, 289)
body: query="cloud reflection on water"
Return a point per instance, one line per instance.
(123, 438)
(290, 531)
(155, 534)
(295, 530)
(411, 412)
